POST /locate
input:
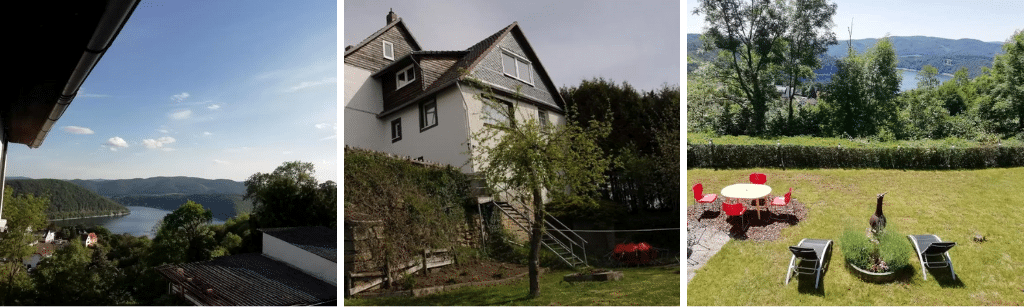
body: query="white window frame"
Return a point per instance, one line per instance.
(518, 59)
(542, 117)
(396, 130)
(384, 48)
(426, 117)
(407, 72)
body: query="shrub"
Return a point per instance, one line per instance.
(408, 281)
(892, 249)
(856, 247)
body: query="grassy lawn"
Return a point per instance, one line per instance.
(639, 286)
(955, 205)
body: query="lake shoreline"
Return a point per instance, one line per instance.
(86, 217)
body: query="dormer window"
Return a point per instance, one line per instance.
(405, 76)
(516, 66)
(389, 50)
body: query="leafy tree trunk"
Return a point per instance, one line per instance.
(535, 235)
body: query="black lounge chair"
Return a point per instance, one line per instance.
(812, 251)
(933, 253)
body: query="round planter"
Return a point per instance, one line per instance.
(871, 276)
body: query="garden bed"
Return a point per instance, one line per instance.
(767, 228)
(482, 271)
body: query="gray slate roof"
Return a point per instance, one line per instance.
(249, 280)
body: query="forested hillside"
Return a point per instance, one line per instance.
(161, 186)
(914, 52)
(224, 206)
(67, 200)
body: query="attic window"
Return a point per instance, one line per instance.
(405, 76)
(516, 66)
(389, 50)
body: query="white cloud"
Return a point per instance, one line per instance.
(309, 84)
(158, 143)
(207, 133)
(286, 152)
(77, 130)
(325, 126)
(330, 137)
(163, 130)
(116, 142)
(221, 161)
(181, 115)
(213, 106)
(180, 97)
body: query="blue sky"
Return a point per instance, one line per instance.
(211, 89)
(989, 21)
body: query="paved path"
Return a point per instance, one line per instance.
(708, 242)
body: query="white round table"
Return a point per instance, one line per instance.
(747, 191)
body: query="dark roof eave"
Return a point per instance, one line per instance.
(114, 17)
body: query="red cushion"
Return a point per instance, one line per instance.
(779, 201)
(708, 198)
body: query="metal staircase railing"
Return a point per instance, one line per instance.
(570, 249)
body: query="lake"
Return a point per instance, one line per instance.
(910, 79)
(139, 223)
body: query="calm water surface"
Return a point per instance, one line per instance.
(139, 223)
(910, 79)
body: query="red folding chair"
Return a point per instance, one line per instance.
(700, 197)
(758, 178)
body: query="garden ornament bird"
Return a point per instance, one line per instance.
(877, 220)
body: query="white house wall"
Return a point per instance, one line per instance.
(301, 259)
(445, 143)
(363, 101)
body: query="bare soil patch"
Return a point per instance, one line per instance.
(485, 270)
(766, 228)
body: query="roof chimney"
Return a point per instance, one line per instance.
(391, 17)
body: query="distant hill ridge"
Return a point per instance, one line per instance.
(161, 186)
(914, 52)
(67, 200)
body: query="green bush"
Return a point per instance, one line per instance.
(892, 248)
(467, 255)
(856, 247)
(803, 156)
(408, 281)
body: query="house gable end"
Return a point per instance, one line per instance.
(369, 54)
(537, 86)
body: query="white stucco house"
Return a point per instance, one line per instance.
(411, 102)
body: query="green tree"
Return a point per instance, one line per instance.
(525, 158)
(1008, 70)
(184, 236)
(808, 37)
(291, 196)
(22, 212)
(753, 39)
(927, 78)
(862, 100)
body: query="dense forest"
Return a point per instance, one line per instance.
(66, 200)
(224, 206)
(161, 186)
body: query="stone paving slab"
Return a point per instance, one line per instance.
(707, 244)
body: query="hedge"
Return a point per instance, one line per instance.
(800, 156)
